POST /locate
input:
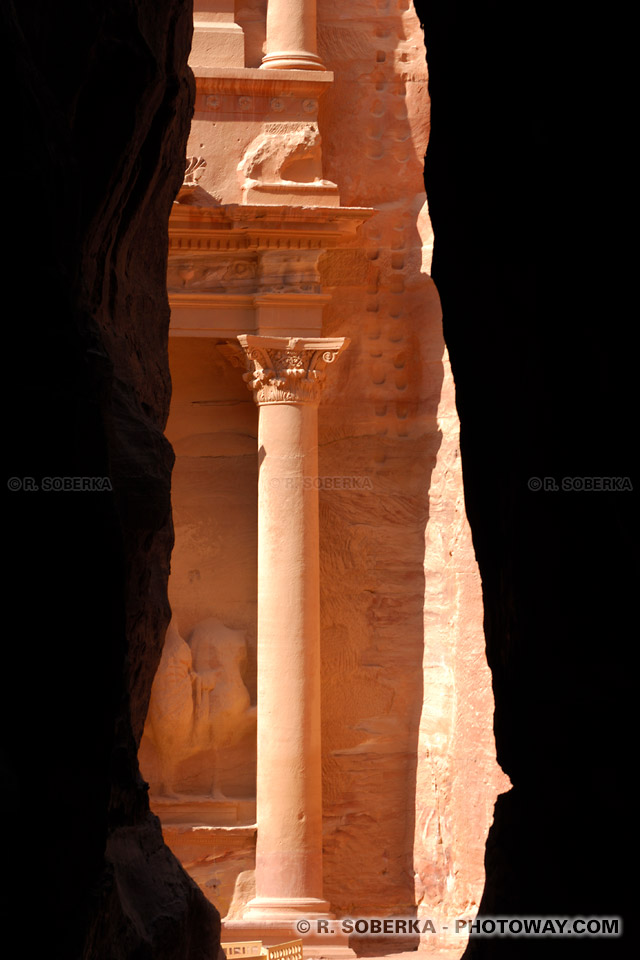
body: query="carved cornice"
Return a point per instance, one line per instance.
(258, 226)
(284, 369)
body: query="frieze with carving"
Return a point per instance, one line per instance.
(289, 271)
(216, 275)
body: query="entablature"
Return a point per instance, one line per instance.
(258, 226)
(242, 268)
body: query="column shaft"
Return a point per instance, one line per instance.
(289, 786)
(291, 36)
(286, 375)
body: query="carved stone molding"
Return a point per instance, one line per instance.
(284, 369)
(194, 168)
(215, 274)
(261, 84)
(256, 226)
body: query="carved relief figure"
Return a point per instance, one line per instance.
(199, 706)
(272, 158)
(169, 723)
(222, 707)
(216, 274)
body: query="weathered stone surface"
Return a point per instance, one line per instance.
(98, 111)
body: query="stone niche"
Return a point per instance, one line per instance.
(198, 751)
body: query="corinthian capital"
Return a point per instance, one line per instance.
(287, 369)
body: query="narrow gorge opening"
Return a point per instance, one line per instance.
(529, 267)
(303, 227)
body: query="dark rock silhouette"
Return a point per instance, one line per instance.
(99, 100)
(524, 261)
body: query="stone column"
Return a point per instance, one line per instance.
(286, 376)
(291, 36)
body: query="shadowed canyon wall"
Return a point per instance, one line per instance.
(95, 129)
(542, 384)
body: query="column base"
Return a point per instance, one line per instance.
(275, 920)
(292, 60)
(288, 909)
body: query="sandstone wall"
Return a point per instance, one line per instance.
(409, 764)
